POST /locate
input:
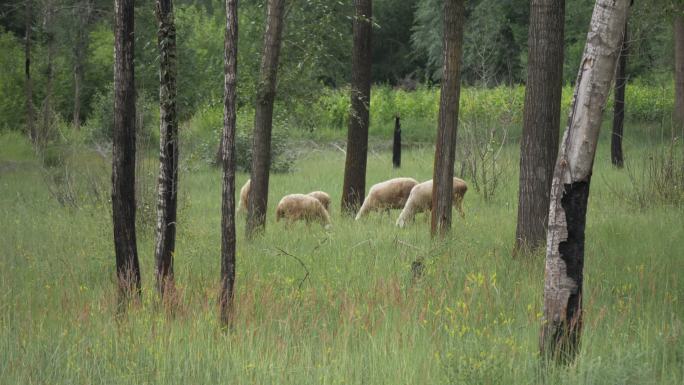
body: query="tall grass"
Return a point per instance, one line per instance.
(360, 316)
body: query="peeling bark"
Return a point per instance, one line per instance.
(561, 326)
(227, 295)
(168, 149)
(445, 148)
(263, 119)
(354, 186)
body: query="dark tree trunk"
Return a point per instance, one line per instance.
(30, 115)
(396, 146)
(123, 153)
(263, 119)
(228, 159)
(168, 148)
(616, 156)
(354, 187)
(563, 278)
(445, 148)
(541, 120)
(83, 13)
(679, 71)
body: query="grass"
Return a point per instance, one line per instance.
(359, 317)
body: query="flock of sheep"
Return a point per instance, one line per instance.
(405, 194)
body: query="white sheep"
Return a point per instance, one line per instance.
(322, 197)
(420, 200)
(296, 207)
(244, 197)
(390, 194)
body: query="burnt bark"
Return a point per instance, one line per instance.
(445, 149)
(616, 156)
(168, 148)
(563, 278)
(679, 71)
(541, 120)
(396, 145)
(263, 119)
(354, 186)
(228, 235)
(30, 114)
(123, 153)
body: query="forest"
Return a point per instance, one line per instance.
(342, 191)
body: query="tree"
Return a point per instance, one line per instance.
(445, 151)
(168, 148)
(50, 40)
(562, 323)
(228, 160)
(123, 152)
(354, 186)
(616, 156)
(541, 120)
(82, 14)
(30, 119)
(679, 68)
(263, 119)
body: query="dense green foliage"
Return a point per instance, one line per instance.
(358, 317)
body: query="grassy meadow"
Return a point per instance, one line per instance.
(354, 313)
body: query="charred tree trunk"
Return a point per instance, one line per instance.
(123, 153)
(263, 119)
(228, 158)
(679, 71)
(541, 120)
(30, 114)
(396, 146)
(445, 149)
(168, 148)
(83, 13)
(562, 323)
(616, 156)
(354, 186)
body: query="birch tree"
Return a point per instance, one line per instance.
(563, 280)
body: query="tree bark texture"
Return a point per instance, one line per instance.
(396, 145)
(616, 156)
(562, 322)
(354, 186)
(541, 120)
(228, 160)
(30, 114)
(679, 70)
(123, 152)
(445, 149)
(263, 119)
(168, 148)
(83, 13)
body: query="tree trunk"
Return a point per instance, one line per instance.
(396, 146)
(541, 120)
(123, 152)
(354, 187)
(619, 104)
(48, 25)
(228, 159)
(168, 148)
(263, 119)
(83, 13)
(562, 323)
(30, 118)
(679, 71)
(445, 149)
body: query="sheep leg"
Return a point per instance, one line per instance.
(365, 207)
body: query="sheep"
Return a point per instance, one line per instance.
(420, 200)
(295, 207)
(390, 194)
(322, 197)
(244, 197)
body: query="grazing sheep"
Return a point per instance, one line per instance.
(244, 197)
(322, 197)
(296, 207)
(420, 200)
(390, 194)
